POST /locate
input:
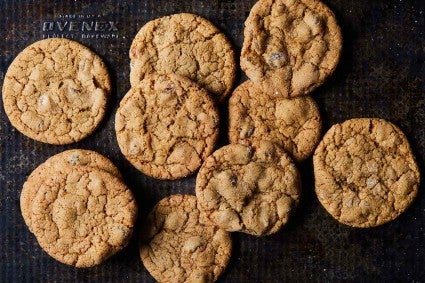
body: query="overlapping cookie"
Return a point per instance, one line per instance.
(178, 246)
(78, 208)
(187, 45)
(166, 126)
(251, 189)
(293, 124)
(72, 157)
(290, 46)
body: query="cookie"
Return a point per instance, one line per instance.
(166, 126)
(55, 91)
(365, 172)
(179, 247)
(293, 124)
(187, 45)
(250, 189)
(81, 216)
(290, 46)
(72, 157)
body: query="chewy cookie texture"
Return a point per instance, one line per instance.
(80, 213)
(250, 189)
(188, 45)
(166, 126)
(290, 46)
(294, 124)
(55, 91)
(179, 246)
(365, 172)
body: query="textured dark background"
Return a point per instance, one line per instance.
(381, 74)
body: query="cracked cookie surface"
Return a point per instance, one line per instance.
(250, 189)
(179, 247)
(365, 172)
(294, 124)
(55, 91)
(187, 45)
(81, 216)
(166, 126)
(72, 157)
(290, 46)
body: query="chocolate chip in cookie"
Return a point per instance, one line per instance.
(290, 46)
(251, 189)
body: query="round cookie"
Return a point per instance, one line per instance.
(293, 124)
(250, 189)
(72, 157)
(55, 91)
(81, 216)
(290, 46)
(187, 45)
(179, 247)
(365, 172)
(166, 126)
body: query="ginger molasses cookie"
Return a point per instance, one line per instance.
(365, 172)
(250, 189)
(55, 91)
(72, 157)
(179, 247)
(81, 216)
(187, 45)
(166, 126)
(294, 124)
(290, 46)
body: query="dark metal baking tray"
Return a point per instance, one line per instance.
(381, 74)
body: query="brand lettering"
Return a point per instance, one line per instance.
(88, 26)
(83, 26)
(62, 26)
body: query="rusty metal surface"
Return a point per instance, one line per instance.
(381, 74)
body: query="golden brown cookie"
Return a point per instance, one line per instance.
(72, 157)
(179, 247)
(81, 216)
(250, 189)
(365, 172)
(166, 126)
(55, 91)
(187, 45)
(290, 46)
(294, 124)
